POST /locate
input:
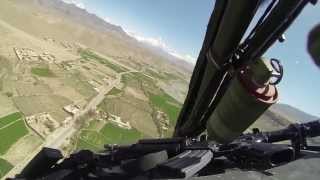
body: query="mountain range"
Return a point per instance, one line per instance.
(78, 15)
(91, 20)
(112, 39)
(291, 113)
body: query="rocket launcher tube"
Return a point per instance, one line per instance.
(232, 26)
(314, 44)
(236, 19)
(249, 95)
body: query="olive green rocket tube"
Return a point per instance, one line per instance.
(314, 44)
(232, 25)
(248, 96)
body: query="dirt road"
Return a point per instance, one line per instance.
(61, 134)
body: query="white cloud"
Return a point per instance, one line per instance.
(187, 57)
(78, 3)
(158, 42)
(107, 19)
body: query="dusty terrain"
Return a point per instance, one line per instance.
(49, 59)
(54, 55)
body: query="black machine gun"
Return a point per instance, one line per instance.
(174, 157)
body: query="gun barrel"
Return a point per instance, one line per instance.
(312, 129)
(172, 146)
(309, 129)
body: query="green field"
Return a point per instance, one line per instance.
(82, 144)
(140, 81)
(10, 118)
(89, 137)
(116, 135)
(127, 78)
(11, 134)
(42, 72)
(154, 74)
(5, 167)
(93, 138)
(114, 91)
(95, 124)
(167, 104)
(88, 55)
(157, 97)
(109, 134)
(161, 75)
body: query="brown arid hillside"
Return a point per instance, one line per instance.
(66, 22)
(281, 115)
(69, 80)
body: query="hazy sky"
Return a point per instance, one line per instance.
(178, 26)
(301, 84)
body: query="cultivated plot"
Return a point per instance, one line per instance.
(5, 167)
(12, 128)
(30, 105)
(94, 137)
